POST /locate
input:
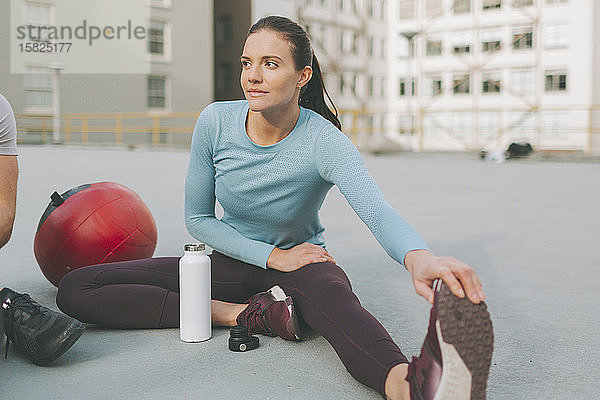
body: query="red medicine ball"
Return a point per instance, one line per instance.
(93, 224)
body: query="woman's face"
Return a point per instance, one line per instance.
(269, 77)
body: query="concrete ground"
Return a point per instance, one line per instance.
(529, 228)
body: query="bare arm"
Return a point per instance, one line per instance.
(9, 171)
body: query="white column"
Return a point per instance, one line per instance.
(56, 68)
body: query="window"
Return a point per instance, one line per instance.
(556, 1)
(371, 86)
(492, 4)
(433, 47)
(382, 87)
(461, 84)
(523, 38)
(224, 29)
(407, 9)
(462, 49)
(342, 83)
(491, 40)
(341, 41)
(555, 81)
(371, 45)
(341, 5)
(433, 8)
(462, 6)
(156, 38)
(522, 81)
(402, 87)
(37, 15)
(491, 82)
(522, 3)
(556, 36)
(371, 8)
(434, 85)
(354, 42)
(38, 88)
(461, 42)
(157, 91)
(161, 3)
(382, 48)
(353, 83)
(491, 46)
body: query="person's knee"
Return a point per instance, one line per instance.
(323, 276)
(332, 273)
(68, 291)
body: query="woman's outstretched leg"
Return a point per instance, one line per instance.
(323, 297)
(133, 294)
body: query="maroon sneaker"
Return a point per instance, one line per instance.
(456, 355)
(271, 313)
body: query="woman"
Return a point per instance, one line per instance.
(270, 160)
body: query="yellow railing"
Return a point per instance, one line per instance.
(361, 125)
(581, 132)
(109, 128)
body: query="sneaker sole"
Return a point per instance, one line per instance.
(293, 325)
(466, 339)
(75, 332)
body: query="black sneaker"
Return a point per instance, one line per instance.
(41, 334)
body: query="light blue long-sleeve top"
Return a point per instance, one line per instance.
(271, 195)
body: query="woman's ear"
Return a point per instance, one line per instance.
(305, 76)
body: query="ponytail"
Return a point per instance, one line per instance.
(311, 95)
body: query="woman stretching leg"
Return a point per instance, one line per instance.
(270, 161)
(106, 294)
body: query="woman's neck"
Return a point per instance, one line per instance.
(269, 127)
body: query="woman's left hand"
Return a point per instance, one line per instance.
(425, 267)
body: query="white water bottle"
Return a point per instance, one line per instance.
(194, 294)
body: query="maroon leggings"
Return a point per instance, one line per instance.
(145, 294)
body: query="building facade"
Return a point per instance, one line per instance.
(489, 72)
(179, 77)
(462, 74)
(419, 74)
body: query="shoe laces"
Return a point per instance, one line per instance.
(30, 315)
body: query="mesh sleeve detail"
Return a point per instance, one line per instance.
(340, 162)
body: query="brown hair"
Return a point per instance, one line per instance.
(311, 94)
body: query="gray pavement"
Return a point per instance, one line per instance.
(529, 228)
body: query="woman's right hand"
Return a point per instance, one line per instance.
(297, 257)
